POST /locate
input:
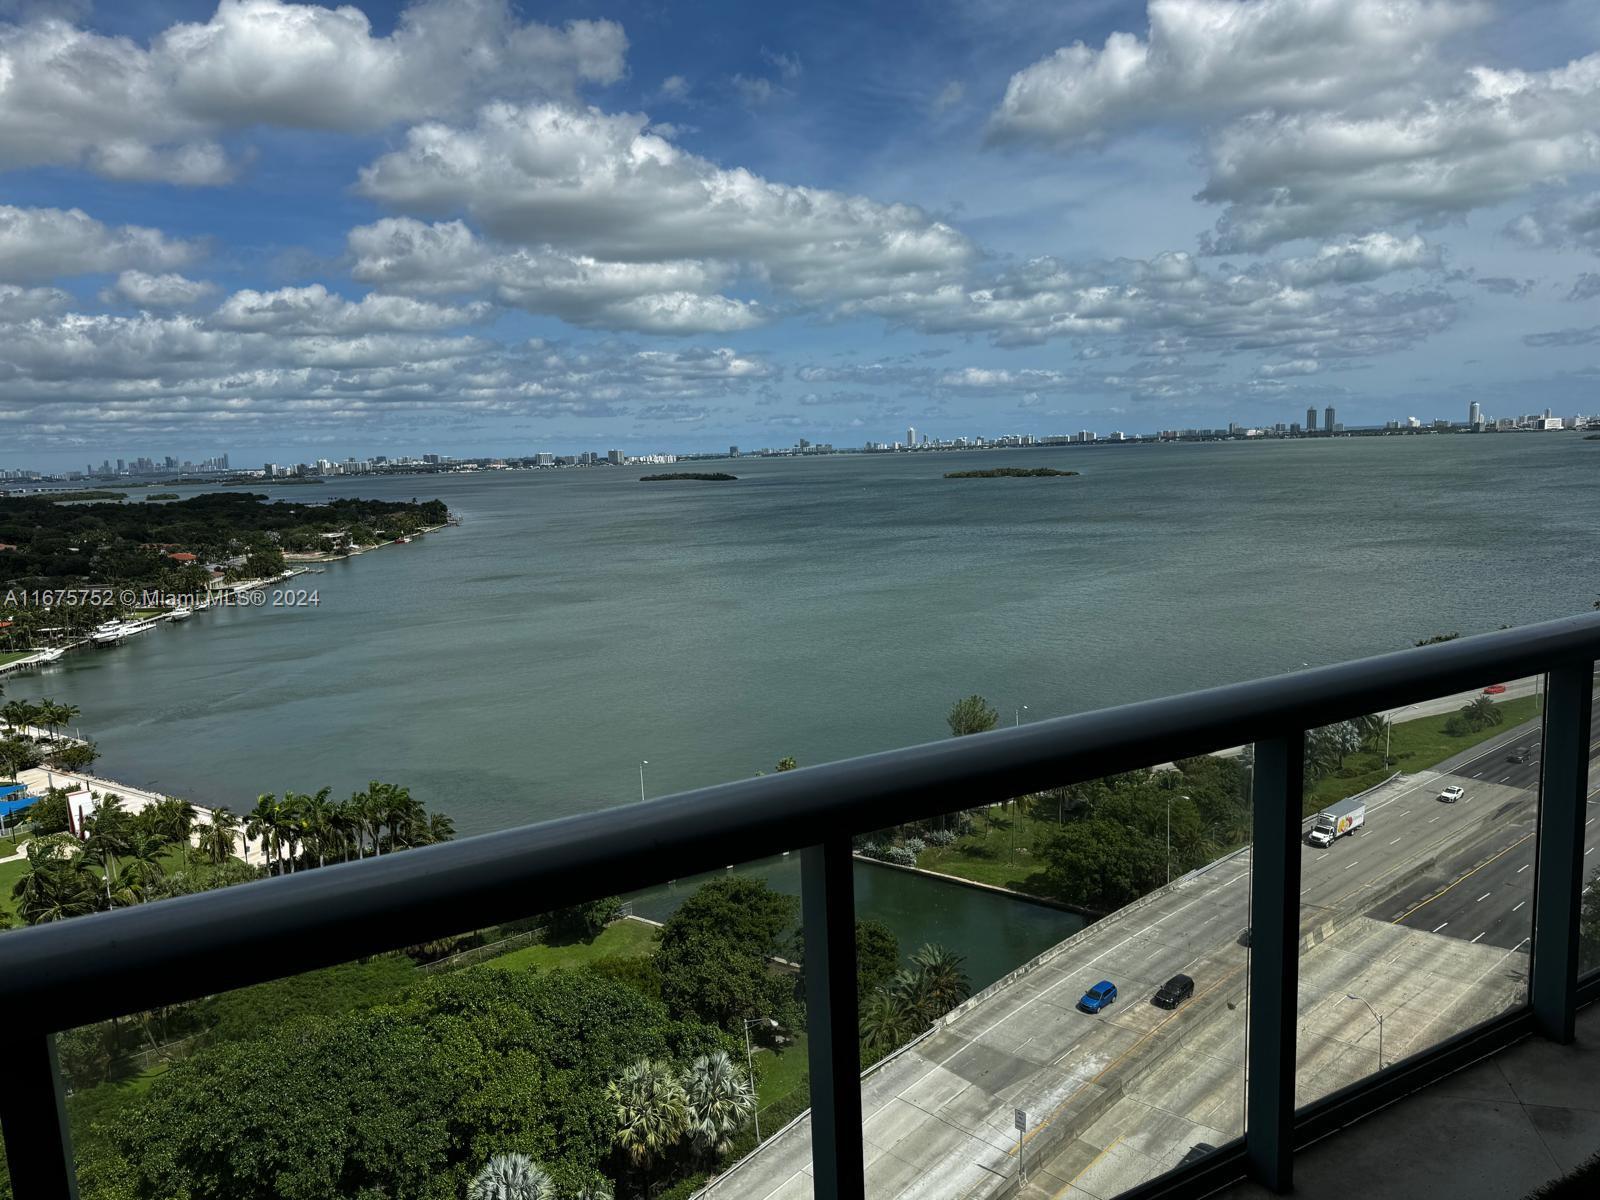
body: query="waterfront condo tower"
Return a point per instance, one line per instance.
(1327, 419)
(1311, 420)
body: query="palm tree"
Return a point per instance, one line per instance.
(440, 828)
(217, 837)
(596, 1189)
(719, 1100)
(1482, 713)
(130, 876)
(172, 819)
(373, 811)
(511, 1177)
(344, 825)
(317, 819)
(943, 979)
(58, 885)
(264, 823)
(402, 815)
(292, 825)
(651, 1112)
(19, 715)
(883, 1024)
(54, 716)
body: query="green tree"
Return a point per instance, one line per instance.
(877, 957)
(1101, 863)
(16, 756)
(219, 835)
(582, 922)
(942, 977)
(51, 814)
(264, 824)
(75, 756)
(651, 1113)
(715, 952)
(58, 884)
(787, 763)
(972, 715)
(718, 1102)
(886, 1025)
(511, 1177)
(1481, 713)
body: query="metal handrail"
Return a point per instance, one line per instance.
(112, 964)
(93, 968)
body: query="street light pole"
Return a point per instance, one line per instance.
(1376, 1016)
(643, 763)
(1016, 714)
(750, 1064)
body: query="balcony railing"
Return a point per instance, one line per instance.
(59, 976)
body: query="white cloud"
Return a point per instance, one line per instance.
(950, 95)
(54, 243)
(1207, 57)
(755, 91)
(316, 310)
(157, 291)
(674, 87)
(1360, 260)
(1567, 221)
(1496, 136)
(71, 96)
(603, 203)
(23, 303)
(1294, 366)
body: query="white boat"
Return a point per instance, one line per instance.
(49, 655)
(109, 632)
(180, 613)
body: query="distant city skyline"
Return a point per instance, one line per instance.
(145, 465)
(496, 228)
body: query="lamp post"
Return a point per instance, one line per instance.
(1376, 1016)
(643, 763)
(750, 1063)
(1016, 714)
(1388, 730)
(1169, 835)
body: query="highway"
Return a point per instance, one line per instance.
(1120, 1097)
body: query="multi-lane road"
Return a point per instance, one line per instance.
(1419, 913)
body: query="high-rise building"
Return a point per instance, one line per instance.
(1311, 420)
(614, 456)
(1327, 419)
(1475, 414)
(733, 452)
(911, 435)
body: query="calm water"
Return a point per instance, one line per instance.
(521, 666)
(993, 933)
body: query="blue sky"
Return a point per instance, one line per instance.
(464, 226)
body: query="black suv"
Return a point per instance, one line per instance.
(1519, 755)
(1173, 992)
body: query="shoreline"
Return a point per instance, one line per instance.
(296, 565)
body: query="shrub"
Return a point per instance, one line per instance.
(902, 856)
(872, 850)
(941, 837)
(916, 845)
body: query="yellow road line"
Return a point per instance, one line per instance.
(1463, 879)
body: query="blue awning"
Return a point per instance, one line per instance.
(14, 798)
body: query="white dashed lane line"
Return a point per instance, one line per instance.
(1480, 935)
(1518, 905)
(1483, 897)
(1440, 926)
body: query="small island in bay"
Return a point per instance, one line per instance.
(710, 476)
(1010, 473)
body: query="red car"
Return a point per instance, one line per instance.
(1494, 689)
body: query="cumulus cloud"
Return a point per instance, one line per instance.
(1495, 136)
(1568, 221)
(24, 303)
(1558, 338)
(1585, 287)
(1360, 260)
(53, 243)
(1202, 58)
(130, 111)
(316, 310)
(602, 205)
(170, 290)
(1504, 285)
(673, 297)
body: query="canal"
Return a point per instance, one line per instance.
(994, 933)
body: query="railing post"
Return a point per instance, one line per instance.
(1276, 800)
(1558, 879)
(34, 1114)
(828, 907)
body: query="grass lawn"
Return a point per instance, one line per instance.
(1415, 746)
(10, 845)
(1004, 855)
(619, 940)
(781, 1072)
(9, 874)
(11, 656)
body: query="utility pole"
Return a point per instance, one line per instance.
(643, 763)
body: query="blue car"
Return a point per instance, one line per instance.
(1098, 997)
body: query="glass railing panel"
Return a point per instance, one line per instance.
(1416, 918)
(586, 1053)
(984, 934)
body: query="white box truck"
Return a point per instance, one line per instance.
(1336, 820)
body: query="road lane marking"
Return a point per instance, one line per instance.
(1483, 897)
(1476, 938)
(1398, 839)
(1518, 905)
(1464, 878)
(1523, 868)
(1440, 926)
(1347, 866)
(1507, 779)
(1589, 851)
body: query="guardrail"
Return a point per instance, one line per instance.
(59, 976)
